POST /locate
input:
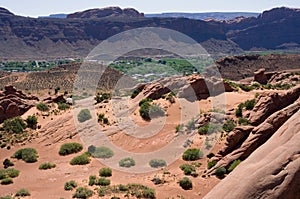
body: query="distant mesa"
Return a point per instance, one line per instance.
(107, 12)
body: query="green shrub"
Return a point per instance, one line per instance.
(105, 172)
(146, 100)
(47, 165)
(92, 180)
(42, 107)
(127, 162)
(179, 127)
(187, 169)
(63, 106)
(210, 155)
(220, 172)
(81, 159)
(101, 116)
(147, 111)
(209, 128)
(217, 110)
(14, 125)
(135, 93)
(229, 125)
(191, 124)
(84, 115)
(70, 148)
(22, 193)
(31, 121)
(103, 182)
(148, 193)
(192, 154)
(245, 87)
(100, 152)
(156, 163)
(243, 121)
(7, 163)
(186, 183)
(7, 181)
(100, 97)
(211, 164)
(249, 104)
(7, 197)
(233, 165)
(70, 185)
(28, 155)
(83, 192)
(239, 110)
(9, 173)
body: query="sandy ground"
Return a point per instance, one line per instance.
(59, 129)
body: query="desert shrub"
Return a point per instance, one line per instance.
(105, 120)
(70, 148)
(7, 163)
(187, 169)
(22, 193)
(92, 180)
(47, 165)
(209, 128)
(245, 87)
(135, 93)
(211, 164)
(156, 163)
(127, 162)
(144, 111)
(84, 115)
(179, 127)
(100, 152)
(31, 121)
(83, 192)
(101, 116)
(191, 124)
(7, 197)
(7, 181)
(81, 159)
(148, 193)
(100, 97)
(105, 172)
(220, 172)
(63, 106)
(42, 107)
(210, 155)
(146, 100)
(28, 155)
(249, 104)
(192, 154)
(239, 110)
(70, 185)
(148, 110)
(229, 125)
(103, 182)
(243, 121)
(14, 125)
(186, 183)
(9, 173)
(233, 165)
(217, 110)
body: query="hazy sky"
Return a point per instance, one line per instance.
(45, 7)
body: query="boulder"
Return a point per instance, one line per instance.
(260, 77)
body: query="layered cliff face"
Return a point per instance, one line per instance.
(30, 38)
(274, 29)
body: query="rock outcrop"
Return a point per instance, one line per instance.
(272, 102)
(272, 171)
(191, 87)
(14, 103)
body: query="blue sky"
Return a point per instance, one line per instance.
(36, 8)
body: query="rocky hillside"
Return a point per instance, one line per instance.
(26, 38)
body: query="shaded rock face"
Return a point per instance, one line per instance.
(106, 12)
(5, 12)
(271, 103)
(192, 88)
(14, 103)
(260, 76)
(272, 171)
